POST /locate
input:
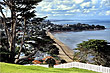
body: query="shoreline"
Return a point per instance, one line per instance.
(64, 51)
(76, 31)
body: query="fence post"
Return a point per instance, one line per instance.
(100, 68)
(109, 70)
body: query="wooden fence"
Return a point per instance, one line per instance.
(84, 66)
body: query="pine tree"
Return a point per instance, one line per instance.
(17, 8)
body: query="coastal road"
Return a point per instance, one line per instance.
(64, 51)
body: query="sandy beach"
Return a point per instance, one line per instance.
(64, 51)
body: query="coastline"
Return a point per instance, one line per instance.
(76, 31)
(64, 51)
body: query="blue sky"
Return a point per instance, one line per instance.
(74, 9)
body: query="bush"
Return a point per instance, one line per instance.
(51, 62)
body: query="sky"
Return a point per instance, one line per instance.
(74, 9)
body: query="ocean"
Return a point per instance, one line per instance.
(71, 39)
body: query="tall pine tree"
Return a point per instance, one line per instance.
(18, 8)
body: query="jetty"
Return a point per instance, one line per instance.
(65, 52)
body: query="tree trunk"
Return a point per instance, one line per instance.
(11, 36)
(13, 33)
(5, 27)
(22, 41)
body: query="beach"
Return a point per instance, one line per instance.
(65, 52)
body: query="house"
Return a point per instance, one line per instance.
(36, 62)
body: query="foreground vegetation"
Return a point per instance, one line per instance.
(12, 68)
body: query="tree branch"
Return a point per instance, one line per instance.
(26, 57)
(7, 3)
(6, 28)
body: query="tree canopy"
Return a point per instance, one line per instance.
(22, 8)
(97, 49)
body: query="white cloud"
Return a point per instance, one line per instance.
(43, 3)
(39, 14)
(48, 15)
(56, 14)
(64, 2)
(105, 2)
(55, 5)
(68, 7)
(103, 13)
(86, 11)
(93, 8)
(75, 10)
(68, 14)
(86, 4)
(100, 13)
(78, 1)
(63, 7)
(47, 9)
(60, 8)
(108, 12)
(94, 1)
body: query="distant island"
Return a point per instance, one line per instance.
(75, 27)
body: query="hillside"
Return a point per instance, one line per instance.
(13, 68)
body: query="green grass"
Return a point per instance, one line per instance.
(13, 68)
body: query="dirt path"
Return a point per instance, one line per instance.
(64, 51)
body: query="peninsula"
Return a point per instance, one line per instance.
(74, 27)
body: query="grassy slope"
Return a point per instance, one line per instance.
(12, 68)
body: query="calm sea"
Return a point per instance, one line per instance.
(71, 39)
